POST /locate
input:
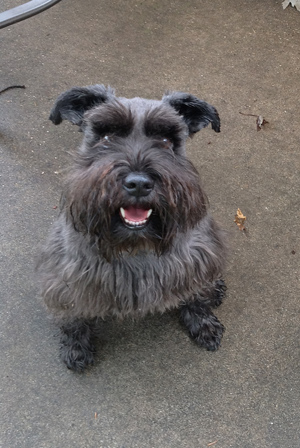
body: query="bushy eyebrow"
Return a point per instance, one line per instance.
(113, 118)
(161, 122)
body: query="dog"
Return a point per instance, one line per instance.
(134, 235)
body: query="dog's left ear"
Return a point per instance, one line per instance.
(72, 104)
(196, 113)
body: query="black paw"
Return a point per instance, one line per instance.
(204, 327)
(77, 349)
(209, 334)
(77, 356)
(219, 293)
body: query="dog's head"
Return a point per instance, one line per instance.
(132, 184)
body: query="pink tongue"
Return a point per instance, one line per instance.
(135, 214)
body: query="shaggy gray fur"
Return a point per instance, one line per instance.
(94, 264)
(79, 283)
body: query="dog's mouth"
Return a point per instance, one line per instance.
(135, 217)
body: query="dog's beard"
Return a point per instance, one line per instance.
(155, 234)
(115, 237)
(99, 207)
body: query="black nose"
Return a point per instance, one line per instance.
(138, 184)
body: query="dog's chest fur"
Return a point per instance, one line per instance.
(89, 286)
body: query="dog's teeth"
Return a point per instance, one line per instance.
(134, 223)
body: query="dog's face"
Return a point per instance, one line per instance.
(132, 185)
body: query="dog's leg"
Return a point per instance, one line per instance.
(77, 349)
(204, 328)
(218, 293)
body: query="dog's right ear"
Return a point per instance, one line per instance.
(72, 104)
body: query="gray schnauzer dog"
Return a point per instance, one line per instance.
(134, 235)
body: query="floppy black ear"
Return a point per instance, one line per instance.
(72, 104)
(196, 113)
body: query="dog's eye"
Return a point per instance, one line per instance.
(167, 143)
(105, 140)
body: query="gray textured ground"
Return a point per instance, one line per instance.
(151, 387)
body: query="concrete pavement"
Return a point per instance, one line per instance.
(150, 386)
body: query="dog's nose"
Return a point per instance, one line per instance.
(138, 184)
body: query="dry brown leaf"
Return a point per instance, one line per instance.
(260, 120)
(240, 219)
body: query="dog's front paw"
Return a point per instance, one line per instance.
(77, 356)
(204, 327)
(209, 333)
(219, 293)
(77, 349)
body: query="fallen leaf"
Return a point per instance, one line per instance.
(240, 219)
(295, 3)
(260, 122)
